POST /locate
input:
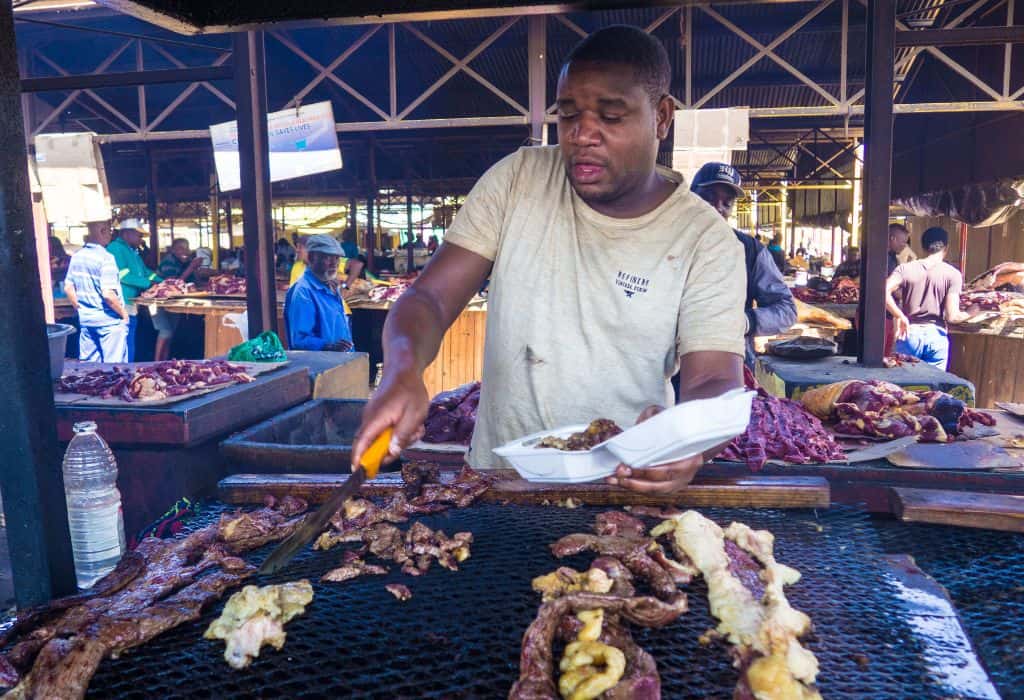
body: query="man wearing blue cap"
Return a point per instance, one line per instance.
(719, 185)
(929, 292)
(313, 310)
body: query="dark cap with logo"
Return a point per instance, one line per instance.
(720, 174)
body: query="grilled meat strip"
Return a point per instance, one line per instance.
(536, 662)
(65, 666)
(633, 552)
(161, 595)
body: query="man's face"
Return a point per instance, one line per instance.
(608, 130)
(101, 233)
(324, 266)
(181, 251)
(721, 197)
(897, 240)
(133, 237)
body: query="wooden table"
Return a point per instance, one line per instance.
(166, 452)
(218, 339)
(992, 357)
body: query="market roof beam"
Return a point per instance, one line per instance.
(963, 36)
(127, 78)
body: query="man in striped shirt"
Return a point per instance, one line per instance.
(93, 287)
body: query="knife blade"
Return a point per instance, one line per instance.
(315, 524)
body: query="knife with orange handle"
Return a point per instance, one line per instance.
(369, 464)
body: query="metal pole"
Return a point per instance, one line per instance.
(230, 224)
(878, 101)
(214, 220)
(254, 157)
(371, 235)
(353, 222)
(30, 476)
(537, 77)
(963, 248)
(151, 206)
(411, 258)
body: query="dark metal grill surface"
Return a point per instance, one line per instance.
(459, 636)
(983, 571)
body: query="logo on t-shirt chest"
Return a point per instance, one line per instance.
(631, 284)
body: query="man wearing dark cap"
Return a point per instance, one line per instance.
(719, 184)
(929, 292)
(632, 276)
(313, 310)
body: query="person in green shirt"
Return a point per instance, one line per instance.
(135, 276)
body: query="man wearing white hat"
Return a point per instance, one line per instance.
(313, 310)
(135, 276)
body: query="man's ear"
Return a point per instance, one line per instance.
(666, 111)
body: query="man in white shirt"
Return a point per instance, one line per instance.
(607, 274)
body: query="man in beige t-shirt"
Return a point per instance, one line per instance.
(607, 274)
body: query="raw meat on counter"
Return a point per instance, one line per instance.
(844, 291)
(155, 381)
(169, 288)
(227, 285)
(451, 417)
(385, 293)
(781, 429)
(879, 409)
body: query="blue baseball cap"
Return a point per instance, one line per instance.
(718, 174)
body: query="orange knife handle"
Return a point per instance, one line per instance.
(376, 453)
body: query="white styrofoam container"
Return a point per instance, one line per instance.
(681, 431)
(551, 465)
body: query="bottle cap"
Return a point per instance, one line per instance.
(87, 426)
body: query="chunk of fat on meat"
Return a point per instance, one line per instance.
(255, 616)
(782, 623)
(703, 541)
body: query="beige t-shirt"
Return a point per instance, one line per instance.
(587, 314)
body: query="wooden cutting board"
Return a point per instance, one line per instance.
(971, 455)
(991, 511)
(736, 492)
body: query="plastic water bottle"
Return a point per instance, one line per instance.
(94, 505)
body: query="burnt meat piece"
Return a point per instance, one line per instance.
(631, 551)
(616, 522)
(415, 474)
(536, 660)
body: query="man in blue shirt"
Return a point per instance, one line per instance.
(313, 310)
(94, 289)
(719, 185)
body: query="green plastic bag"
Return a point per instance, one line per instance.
(266, 347)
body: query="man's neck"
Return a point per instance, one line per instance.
(935, 258)
(643, 199)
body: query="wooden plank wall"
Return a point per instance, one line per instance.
(986, 247)
(461, 358)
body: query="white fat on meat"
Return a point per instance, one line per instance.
(782, 668)
(255, 617)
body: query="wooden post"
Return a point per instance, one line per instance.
(30, 476)
(536, 40)
(254, 159)
(411, 256)
(151, 202)
(963, 248)
(215, 220)
(880, 50)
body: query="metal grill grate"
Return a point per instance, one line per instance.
(459, 636)
(984, 574)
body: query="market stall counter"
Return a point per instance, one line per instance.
(168, 451)
(220, 319)
(992, 357)
(792, 378)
